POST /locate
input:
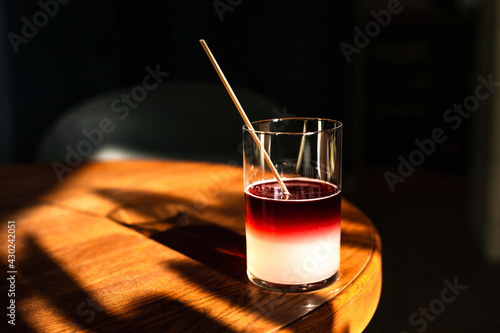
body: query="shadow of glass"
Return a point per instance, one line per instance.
(172, 222)
(218, 248)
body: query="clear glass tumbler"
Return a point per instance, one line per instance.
(293, 241)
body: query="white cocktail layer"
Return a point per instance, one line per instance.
(306, 260)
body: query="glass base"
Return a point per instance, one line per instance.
(292, 288)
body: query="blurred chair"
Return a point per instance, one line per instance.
(190, 120)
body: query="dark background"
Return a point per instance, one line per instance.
(391, 93)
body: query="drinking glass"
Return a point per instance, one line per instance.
(293, 240)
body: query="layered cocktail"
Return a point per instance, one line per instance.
(293, 239)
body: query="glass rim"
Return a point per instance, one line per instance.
(338, 125)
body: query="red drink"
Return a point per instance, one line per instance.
(294, 240)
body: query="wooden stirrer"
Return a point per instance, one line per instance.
(243, 115)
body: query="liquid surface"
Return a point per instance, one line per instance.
(313, 206)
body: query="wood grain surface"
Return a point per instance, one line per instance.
(159, 246)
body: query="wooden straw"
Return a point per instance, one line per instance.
(243, 115)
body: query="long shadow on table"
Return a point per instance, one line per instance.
(174, 223)
(66, 298)
(61, 294)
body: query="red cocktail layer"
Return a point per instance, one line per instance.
(311, 210)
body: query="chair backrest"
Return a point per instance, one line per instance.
(179, 120)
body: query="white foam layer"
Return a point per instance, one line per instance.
(305, 261)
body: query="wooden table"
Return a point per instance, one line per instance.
(159, 246)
